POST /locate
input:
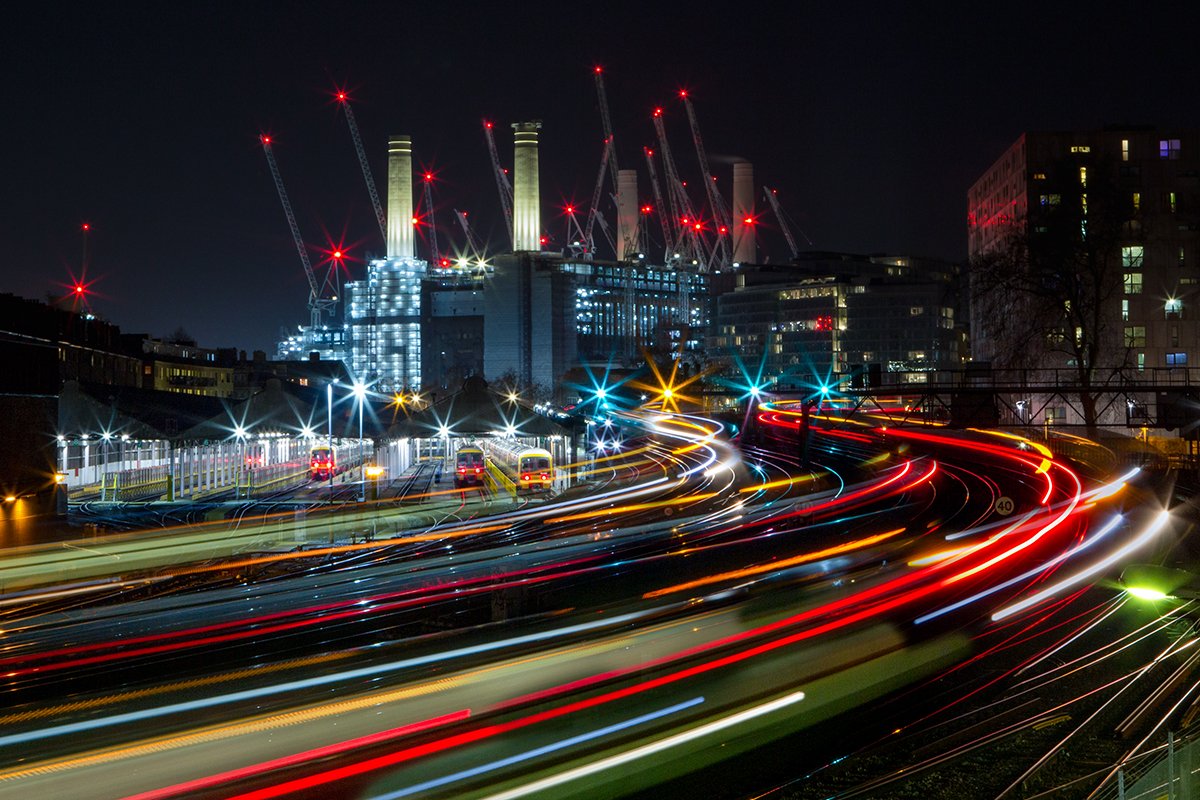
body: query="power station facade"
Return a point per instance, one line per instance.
(531, 316)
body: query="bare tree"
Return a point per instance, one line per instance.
(1049, 295)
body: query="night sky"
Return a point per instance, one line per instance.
(871, 119)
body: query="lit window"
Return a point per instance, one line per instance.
(1080, 148)
(1132, 256)
(1169, 149)
(1176, 359)
(1170, 198)
(1181, 260)
(1174, 307)
(916, 311)
(1050, 199)
(1039, 176)
(1137, 201)
(1141, 361)
(1125, 310)
(1124, 149)
(1083, 177)
(1135, 335)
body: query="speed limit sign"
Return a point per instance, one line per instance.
(1004, 506)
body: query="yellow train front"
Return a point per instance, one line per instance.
(529, 468)
(322, 462)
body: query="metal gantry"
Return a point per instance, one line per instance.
(473, 243)
(681, 207)
(606, 121)
(773, 201)
(435, 252)
(721, 254)
(668, 237)
(594, 208)
(380, 217)
(317, 303)
(503, 185)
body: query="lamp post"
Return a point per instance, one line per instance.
(107, 437)
(360, 392)
(329, 408)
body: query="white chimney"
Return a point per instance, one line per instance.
(400, 198)
(527, 218)
(744, 251)
(627, 214)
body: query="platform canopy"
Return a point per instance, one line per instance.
(270, 412)
(475, 410)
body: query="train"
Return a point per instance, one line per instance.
(468, 466)
(529, 468)
(322, 462)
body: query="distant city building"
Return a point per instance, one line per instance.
(545, 313)
(1152, 178)
(328, 342)
(831, 315)
(452, 314)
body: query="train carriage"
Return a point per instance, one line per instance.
(529, 468)
(322, 462)
(468, 467)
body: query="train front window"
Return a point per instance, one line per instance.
(537, 464)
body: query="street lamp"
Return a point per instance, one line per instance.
(329, 408)
(107, 437)
(360, 392)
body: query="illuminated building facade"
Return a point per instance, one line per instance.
(1149, 182)
(328, 342)
(546, 313)
(383, 317)
(833, 315)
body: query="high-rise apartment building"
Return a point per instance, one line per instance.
(1137, 190)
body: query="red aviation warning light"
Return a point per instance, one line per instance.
(597, 70)
(79, 290)
(428, 176)
(748, 221)
(647, 209)
(85, 227)
(445, 262)
(487, 124)
(658, 112)
(722, 229)
(570, 209)
(341, 96)
(265, 139)
(338, 254)
(824, 323)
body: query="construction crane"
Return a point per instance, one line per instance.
(668, 238)
(606, 120)
(594, 208)
(577, 241)
(783, 226)
(502, 183)
(380, 217)
(715, 201)
(318, 302)
(473, 243)
(681, 207)
(435, 253)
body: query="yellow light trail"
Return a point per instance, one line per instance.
(775, 565)
(678, 501)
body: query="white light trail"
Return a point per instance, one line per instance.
(649, 749)
(1160, 520)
